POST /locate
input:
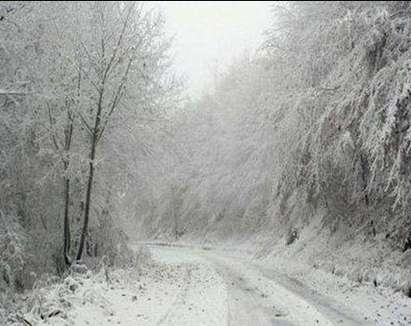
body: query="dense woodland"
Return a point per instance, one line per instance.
(99, 144)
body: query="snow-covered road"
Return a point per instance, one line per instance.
(188, 286)
(254, 295)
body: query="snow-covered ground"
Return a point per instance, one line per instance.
(181, 292)
(193, 286)
(263, 292)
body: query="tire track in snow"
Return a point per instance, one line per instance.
(247, 305)
(327, 306)
(264, 288)
(258, 296)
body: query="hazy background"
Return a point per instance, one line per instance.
(209, 35)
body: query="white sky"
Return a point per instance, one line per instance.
(209, 35)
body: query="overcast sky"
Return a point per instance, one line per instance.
(209, 35)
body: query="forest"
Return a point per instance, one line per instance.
(298, 152)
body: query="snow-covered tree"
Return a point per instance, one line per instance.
(82, 80)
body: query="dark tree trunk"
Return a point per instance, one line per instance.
(94, 139)
(88, 200)
(68, 134)
(67, 237)
(364, 176)
(99, 127)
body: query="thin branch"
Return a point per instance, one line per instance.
(8, 93)
(69, 133)
(89, 56)
(116, 99)
(88, 76)
(83, 120)
(53, 136)
(328, 89)
(109, 66)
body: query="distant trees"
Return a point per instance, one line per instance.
(316, 120)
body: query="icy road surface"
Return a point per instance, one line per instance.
(253, 295)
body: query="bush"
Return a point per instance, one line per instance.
(13, 253)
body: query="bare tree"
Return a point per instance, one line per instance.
(125, 53)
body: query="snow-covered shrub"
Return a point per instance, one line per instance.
(14, 253)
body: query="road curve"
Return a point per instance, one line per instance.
(259, 296)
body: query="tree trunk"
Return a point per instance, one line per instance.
(95, 136)
(88, 200)
(67, 238)
(364, 176)
(68, 134)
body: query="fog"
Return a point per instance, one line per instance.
(209, 35)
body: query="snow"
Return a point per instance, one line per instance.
(169, 293)
(296, 291)
(379, 306)
(187, 285)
